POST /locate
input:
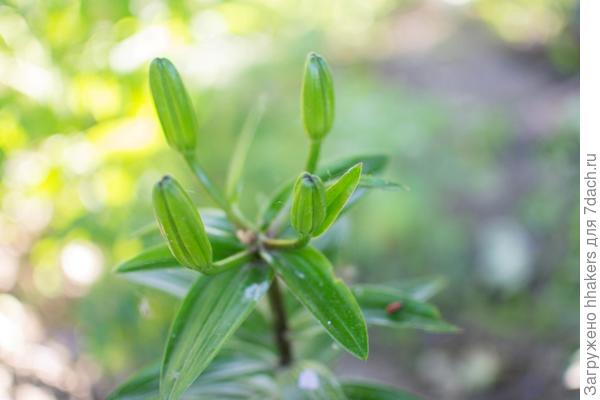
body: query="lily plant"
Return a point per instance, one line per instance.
(262, 313)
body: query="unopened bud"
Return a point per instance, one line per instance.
(173, 105)
(181, 225)
(318, 102)
(308, 205)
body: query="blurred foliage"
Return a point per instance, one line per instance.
(80, 149)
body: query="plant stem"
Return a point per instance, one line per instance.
(215, 192)
(280, 326)
(233, 261)
(313, 156)
(289, 244)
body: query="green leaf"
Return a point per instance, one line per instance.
(371, 164)
(257, 387)
(157, 268)
(210, 313)
(310, 381)
(227, 368)
(141, 386)
(238, 158)
(337, 196)
(152, 258)
(374, 301)
(421, 289)
(374, 391)
(309, 276)
(256, 331)
(217, 219)
(173, 281)
(373, 182)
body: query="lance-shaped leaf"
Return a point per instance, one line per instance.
(155, 257)
(173, 281)
(391, 307)
(337, 195)
(371, 165)
(211, 312)
(228, 366)
(309, 276)
(421, 289)
(159, 256)
(374, 391)
(141, 386)
(310, 381)
(373, 182)
(157, 268)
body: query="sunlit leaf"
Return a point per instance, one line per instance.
(310, 381)
(374, 391)
(337, 195)
(391, 307)
(309, 276)
(156, 257)
(211, 312)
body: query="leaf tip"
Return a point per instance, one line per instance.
(121, 268)
(363, 354)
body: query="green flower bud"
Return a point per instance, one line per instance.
(318, 102)
(308, 205)
(181, 225)
(173, 106)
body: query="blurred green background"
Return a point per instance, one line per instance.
(475, 101)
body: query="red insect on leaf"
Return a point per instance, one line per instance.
(393, 307)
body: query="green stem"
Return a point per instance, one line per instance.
(288, 244)
(233, 261)
(215, 192)
(313, 156)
